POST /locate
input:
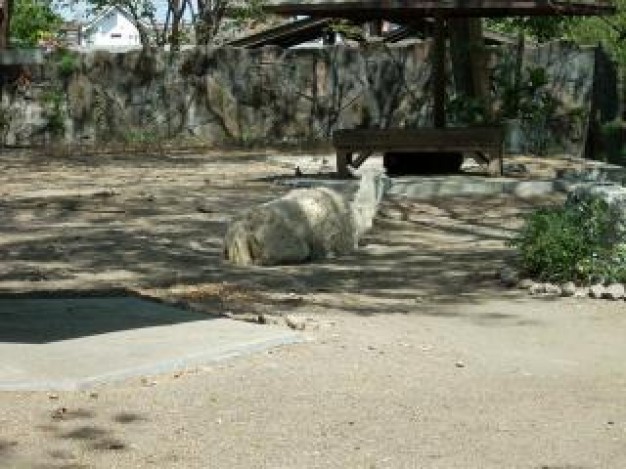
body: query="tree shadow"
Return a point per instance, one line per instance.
(6, 447)
(442, 250)
(40, 319)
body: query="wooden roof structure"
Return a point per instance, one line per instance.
(300, 31)
(408, 11)
(404, 11)
(285, 35)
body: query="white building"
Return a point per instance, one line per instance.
(110, 29)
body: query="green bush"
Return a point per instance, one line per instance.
(574, 242)
(67, 64)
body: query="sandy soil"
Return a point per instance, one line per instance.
(416, 357)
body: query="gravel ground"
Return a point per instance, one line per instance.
(416, 357)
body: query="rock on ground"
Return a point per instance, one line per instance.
(568, 289)
(596, 291)
(509, 276)
(552, 289)
(615, 291)
(537, 289)
(525, 284)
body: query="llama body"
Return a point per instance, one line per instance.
(303, 225)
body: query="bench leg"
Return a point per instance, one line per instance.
(344, 158)
(495, 166)
(359, 160)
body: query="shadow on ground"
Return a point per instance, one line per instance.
(157, 227)
(38, 320)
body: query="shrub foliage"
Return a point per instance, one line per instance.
(574, 242)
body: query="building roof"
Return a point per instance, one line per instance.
(404, 11)
(103, 13)
(301, 31)
(285, 35)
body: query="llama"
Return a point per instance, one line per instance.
(304, 225)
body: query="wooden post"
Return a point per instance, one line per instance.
(344, 159)
(439, 73)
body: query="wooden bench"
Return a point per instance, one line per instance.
(486, 143)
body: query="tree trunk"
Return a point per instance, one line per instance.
(469, 60)
(177, 11)
(439, 73)
(6, 7)
(144, 36)
(460, 56)
(209, 19)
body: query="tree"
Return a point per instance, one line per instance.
(32, 20)
(207, 17)
(541, 28)
(210, 14)
(608, 31)
(170, 32)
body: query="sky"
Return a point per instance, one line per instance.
(79, 10)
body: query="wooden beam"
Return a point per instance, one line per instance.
(405, 11)
(439, 73)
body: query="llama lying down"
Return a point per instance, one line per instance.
(304, 225)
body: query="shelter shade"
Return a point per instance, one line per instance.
(404, 11)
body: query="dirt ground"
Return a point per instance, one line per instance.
(415, 356)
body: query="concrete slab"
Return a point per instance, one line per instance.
(75, 343)
(430, 187)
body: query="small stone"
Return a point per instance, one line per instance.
(596, 291)
(515, 168)
(509, 276)
(568, 289)
(59, 413)
(268, 319)
(53, 397)
(295, 323)
(459, 364)
(615, 291)
(552, 289)
(147, 382)
(205, 209)
(582, 292)
(525, 284)
(537, 289)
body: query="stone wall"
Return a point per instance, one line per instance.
(243, 97)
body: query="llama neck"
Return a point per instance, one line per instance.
(364, 206)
